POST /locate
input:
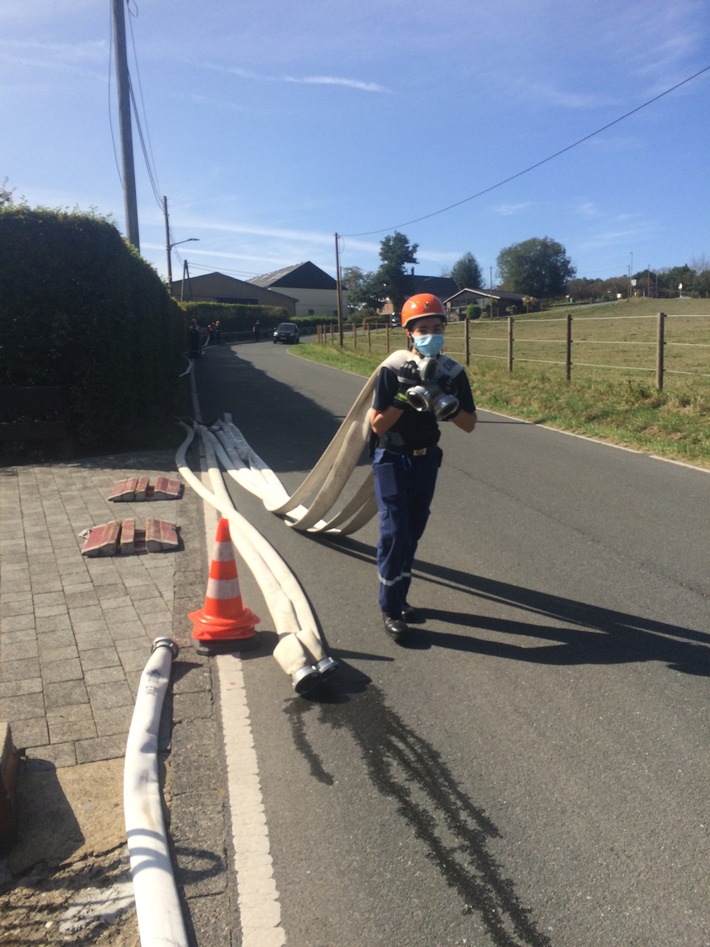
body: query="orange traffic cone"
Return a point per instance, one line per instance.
(223, 624)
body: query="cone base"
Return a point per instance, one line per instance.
(224, 646)
(211, 627)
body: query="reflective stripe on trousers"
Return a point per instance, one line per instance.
(404, 487)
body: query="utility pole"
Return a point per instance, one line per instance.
(124, 115)
(168, 248)
(339, 291)
(185, 276)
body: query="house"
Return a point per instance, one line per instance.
(315, 292)
(498, 299)
(218, 288)
(441, 286)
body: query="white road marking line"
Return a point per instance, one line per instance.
(259, 905)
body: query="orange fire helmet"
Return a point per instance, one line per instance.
(421, 305)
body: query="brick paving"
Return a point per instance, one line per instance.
(76, 633)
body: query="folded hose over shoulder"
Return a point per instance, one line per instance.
(311, 507)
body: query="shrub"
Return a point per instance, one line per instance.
(80, 308)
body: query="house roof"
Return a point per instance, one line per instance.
(469, 295)
(300, 276)
(219, 287)
(441, 286)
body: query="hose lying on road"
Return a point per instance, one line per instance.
(160, 922)
(293, 618)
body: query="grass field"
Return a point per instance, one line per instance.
(611, 395)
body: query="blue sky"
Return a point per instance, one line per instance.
(272, 126)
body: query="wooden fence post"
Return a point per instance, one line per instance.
(510, 344)
(467, 337)
(369, 336)
(568, 348)
(660, 345)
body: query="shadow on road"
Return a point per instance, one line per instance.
(594, 635)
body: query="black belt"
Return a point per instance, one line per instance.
(419, 452)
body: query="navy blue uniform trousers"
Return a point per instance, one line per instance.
(404, 487)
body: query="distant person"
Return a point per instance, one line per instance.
(217, 333)
(257, 331)
(193, 338)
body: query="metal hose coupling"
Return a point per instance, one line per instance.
(324, 664)
(292, 656)
(164, 642)
(432, 398)
(429, 396)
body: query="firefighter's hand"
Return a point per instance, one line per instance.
(407, 377)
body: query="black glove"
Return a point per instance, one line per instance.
(407, 377)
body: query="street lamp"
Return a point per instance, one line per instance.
(169, 248)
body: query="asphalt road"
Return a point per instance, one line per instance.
(533, 770)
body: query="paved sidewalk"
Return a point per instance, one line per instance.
(75, 635)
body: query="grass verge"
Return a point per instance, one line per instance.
(671, 424)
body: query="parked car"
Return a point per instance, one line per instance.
(396, 322)
(286, 332)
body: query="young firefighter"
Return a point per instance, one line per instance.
(406, 456)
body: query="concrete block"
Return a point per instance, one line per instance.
(167, 488)
(160, 535)
(9, 758)
(102, 540)
(128, 537)
(142, 488)
(124, 490)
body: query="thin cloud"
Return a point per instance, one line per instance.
(508, 210)
(92, 51)
(566, 98)
(69, 58)
(588, 209)
(356, 84)
(620, 235)
(336, 80)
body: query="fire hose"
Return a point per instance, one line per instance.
(160, 922)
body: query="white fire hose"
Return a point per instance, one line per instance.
(160, 922)
(300, 651)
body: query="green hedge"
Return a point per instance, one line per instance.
(80, 308)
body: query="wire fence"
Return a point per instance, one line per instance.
(660, 345)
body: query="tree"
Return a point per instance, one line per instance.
(466, 272)
(6, 193)
(370, 293)
(395, 253)
(670, 279)
(353, 279)
(537, 267)
(390, 281)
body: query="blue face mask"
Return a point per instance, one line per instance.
(428, 345)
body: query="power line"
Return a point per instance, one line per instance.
(238, 273)
(149, 167)
(532, 167)
(146, 145)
